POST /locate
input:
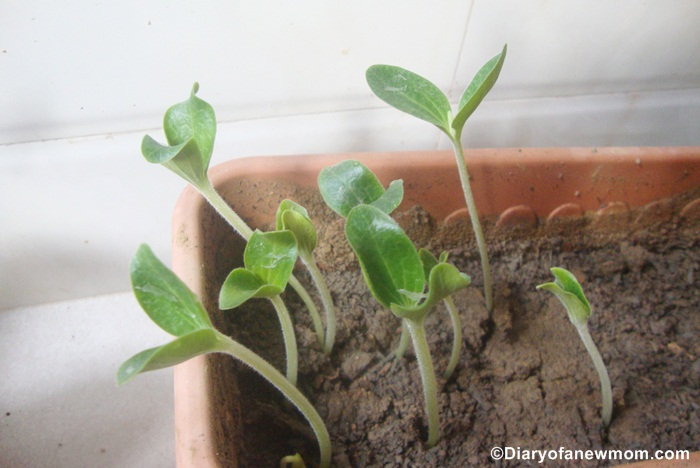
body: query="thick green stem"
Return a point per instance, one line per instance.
(290, 340)
(272, 375)
(457, 339)
(240, 226)
(327, 301)
(427, 375)
(605, 387)
(474, 216)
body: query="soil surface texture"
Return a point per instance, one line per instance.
(524, 379)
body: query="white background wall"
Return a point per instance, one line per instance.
(82, 81)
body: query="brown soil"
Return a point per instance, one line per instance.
(524, 379)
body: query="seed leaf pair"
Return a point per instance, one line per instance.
(417, 96)
(268, 262)
(190, 129)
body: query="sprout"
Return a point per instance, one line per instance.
(568, 290)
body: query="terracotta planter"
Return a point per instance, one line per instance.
(511, 186)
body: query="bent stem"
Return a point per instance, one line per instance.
(457, 340)
(327, 301)
(474, 217)
(290, 341)
(427, 375)
(241, 227)
(605, 387)
(272, 375)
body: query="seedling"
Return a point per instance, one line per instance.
(295, 218)
(190, 130)
(569, 292)
(429, 262)
(415, 95)
(394, 273)
(268, 261)
(349, 184)
(178, 311)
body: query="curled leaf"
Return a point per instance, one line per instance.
(569, 292)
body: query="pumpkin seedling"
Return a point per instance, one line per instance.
(569, 292)
(268, 261)
(178, 311)
(190, 130)
(349, 184)
(394, 273)
(417, 96)
(295, 218)
(429, 262)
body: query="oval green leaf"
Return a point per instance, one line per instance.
(477, 90)
(389, 261)
(410, 93)
(241, 285)
(350, 183)
(271, 257)
(177, 351)
(164, 297)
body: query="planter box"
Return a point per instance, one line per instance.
(511, 186)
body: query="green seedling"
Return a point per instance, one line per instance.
(429, 262)
(349, 184)
(178, 311)
(268, 261)
(569, 292)
(420, 98)
(394, 273)
(295, 218)
(190, 130)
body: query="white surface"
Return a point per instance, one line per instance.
(59, 402)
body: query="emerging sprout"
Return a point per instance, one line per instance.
(568, 290)
(190, 129)
(294, 217)
(178, 311)
(394, 274)
(415, 95)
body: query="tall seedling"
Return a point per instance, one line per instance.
(420, 98)
(190, 130)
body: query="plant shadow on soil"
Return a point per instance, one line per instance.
(524, 378)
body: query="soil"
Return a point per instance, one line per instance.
(524, 379)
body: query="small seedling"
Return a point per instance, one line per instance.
(429, 262)
(190, 130)
(415, 95)
(178, 311)
(268, 261)
(569, 292)
(295, 218)
(394, 273)
(349, 184)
